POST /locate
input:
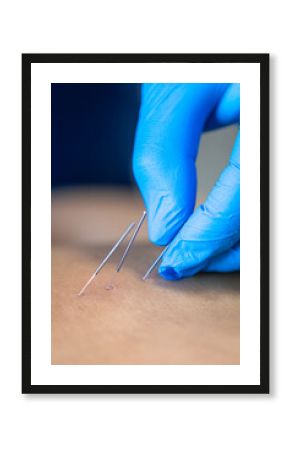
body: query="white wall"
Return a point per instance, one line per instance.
(214, 153)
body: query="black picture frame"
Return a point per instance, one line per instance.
(27, 60)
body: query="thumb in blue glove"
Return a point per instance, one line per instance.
(172, 118)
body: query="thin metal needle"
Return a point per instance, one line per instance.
(133, 237)
(99, 268)
(152, 267)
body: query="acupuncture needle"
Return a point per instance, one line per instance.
(130, 243)
(101, 265)
(152, 267)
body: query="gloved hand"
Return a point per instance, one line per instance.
(172, 118)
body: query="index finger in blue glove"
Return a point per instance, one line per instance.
(213, 229)
(171, 120)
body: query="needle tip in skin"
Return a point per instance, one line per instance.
(105, 260)
(154, 264)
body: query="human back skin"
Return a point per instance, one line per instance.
(192, 321)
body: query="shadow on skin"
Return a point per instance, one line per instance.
(191, 321)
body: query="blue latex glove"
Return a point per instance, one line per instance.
(172, 118)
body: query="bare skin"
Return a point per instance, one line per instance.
(121, 319)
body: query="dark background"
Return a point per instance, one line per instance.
(93, 127)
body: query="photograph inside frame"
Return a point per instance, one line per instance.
(145, 233)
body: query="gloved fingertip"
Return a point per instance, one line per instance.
(157, 235)
(165, 219)
(184, 259)
(159, 231)
(169, 273)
